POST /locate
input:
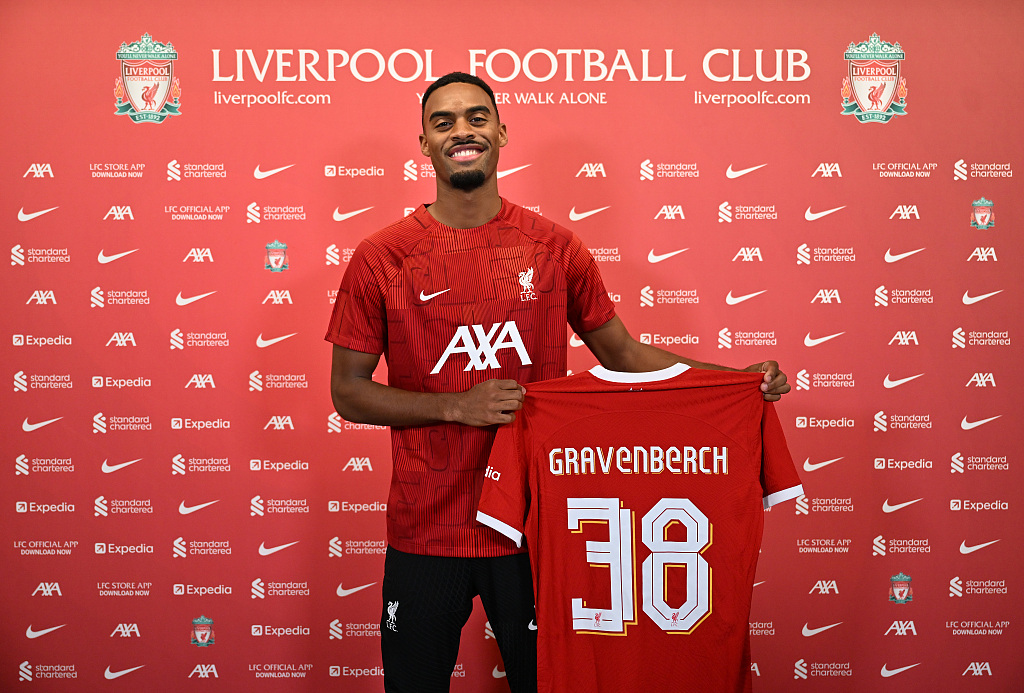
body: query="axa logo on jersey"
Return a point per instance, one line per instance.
(481, 346)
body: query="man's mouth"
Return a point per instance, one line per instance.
(465, 153)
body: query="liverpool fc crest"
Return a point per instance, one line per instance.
(900, 590)
(983, 216)
(874, 82)
(147, 90)
(202, 631)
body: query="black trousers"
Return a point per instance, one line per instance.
(427, 601)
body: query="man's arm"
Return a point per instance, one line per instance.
(359, 399)
(613, 346)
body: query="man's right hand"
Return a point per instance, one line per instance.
(490, 402)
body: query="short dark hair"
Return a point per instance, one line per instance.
(457, 78)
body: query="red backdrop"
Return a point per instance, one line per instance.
(193, 466)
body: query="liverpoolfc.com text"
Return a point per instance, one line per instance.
(759, 98)
(281, 98)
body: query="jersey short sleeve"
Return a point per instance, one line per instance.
(359, 318)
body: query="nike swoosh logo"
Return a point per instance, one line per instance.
(497, 673)
(426, 297)
(264, 551)
(502, 174)
(577, 216)
(886, 508)
(260, 175)
(262, 343)
(185, 510)
(111, 675)
(652, 258)
(886, 672)
(811, 342)
(733, 300)
(729, 173)
(971, 300)
(575, 341)
(32, 634)
(811, 467)
(185, 301)
(338, 216)
(108, 468)
(28, 428)
(965, 549)
(29, 217)
(889, 384)
(531, 625)
(342, 592)
(889, 257)
(968, 425)
(808, 632)
(104, 259)
(812, 216)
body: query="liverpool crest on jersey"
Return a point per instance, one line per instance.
(900, 590)
(874, 82)
(983, 214)
(147, 90)
(526, 281)
(202, 631)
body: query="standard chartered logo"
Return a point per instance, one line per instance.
(803, 381)
(724, 338)
(258, 589)
(803, 255)
(256, 507)
(878, 546)
(881, 296)
(881, 421)
(255, 381)
(334, 423)
(960, 170)
(647, 297)
(725, 213)
(802, 506)
(333, 255)
(173, 170)
(337, 629)
(177, 341)
(99, 507)
(252, 214)
(179, 548)
(21, 466)
(956, 464)
(96, 298)
(20, 382)
(335, 549)
(646, 170)
(800, 669)
(959, 338)
(956, 587)
(409, 170)
(17, 255)
(178, 465)
(99, 423)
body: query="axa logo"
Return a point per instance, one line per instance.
(905, 212)
(278, 297)
(670, 212)
(120, 213)
(827, 296)
(122, 339)
(48, 589)
(126, 630)
(591, 171)
(905, 338)
(204, 671)
(748, 254)
(827, 170)
(39, 171)
(42, 297)
(825, 587)
(902, 628)
(982, 380)
(481, 346)
(201, 381)
(358, 464)
(280, 423)
(985, 254)
(199, 255)
(978, 669)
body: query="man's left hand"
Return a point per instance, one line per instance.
(774, 385)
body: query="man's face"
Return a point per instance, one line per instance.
(461, 135)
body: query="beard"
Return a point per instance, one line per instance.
(467, 180)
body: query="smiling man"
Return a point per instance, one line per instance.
(467, 298)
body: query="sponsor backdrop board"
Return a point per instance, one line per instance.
(183, 186)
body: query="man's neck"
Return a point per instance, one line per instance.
(466, 209)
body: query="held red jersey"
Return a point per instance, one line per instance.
(450, 308)
(641, 496)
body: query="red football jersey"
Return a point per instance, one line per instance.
(450, 308)
(641, 499)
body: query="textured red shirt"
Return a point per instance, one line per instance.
(450, 308)
(640, 497)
